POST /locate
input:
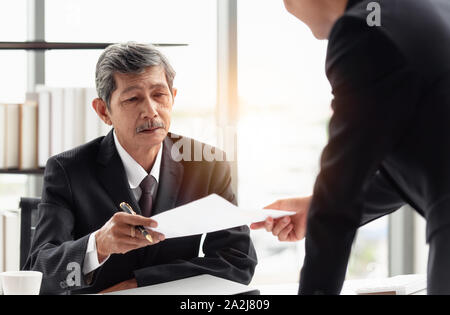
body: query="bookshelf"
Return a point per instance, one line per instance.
(12, 171)
(44, 46)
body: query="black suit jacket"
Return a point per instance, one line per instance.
(389, 140)
(82, 190)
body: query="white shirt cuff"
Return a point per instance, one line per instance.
(91, 259)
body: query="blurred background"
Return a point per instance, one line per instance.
(249, 72)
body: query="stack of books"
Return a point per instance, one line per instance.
(50, 121)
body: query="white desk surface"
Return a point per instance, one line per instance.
(292, 288)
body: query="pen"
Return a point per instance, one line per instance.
(127, 208)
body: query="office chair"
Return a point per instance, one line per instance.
(28, 217)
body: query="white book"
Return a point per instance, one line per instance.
(79, 116)
(44, 123)
(2, 136)
(28, 135)
(68, 123)
(72, 119)
(12, 136)
(57, 119)
(12, 240)
(2, 242)
(91, 119)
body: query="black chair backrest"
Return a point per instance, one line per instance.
(28, 218)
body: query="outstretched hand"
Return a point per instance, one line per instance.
(288, 228)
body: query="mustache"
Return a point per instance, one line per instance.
(149, 125)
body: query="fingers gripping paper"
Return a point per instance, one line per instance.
(209, 214)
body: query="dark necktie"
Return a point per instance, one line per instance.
(148, 186)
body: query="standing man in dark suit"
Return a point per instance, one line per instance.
(80, 223)
(388, 63)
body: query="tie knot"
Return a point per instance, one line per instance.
(148, 184)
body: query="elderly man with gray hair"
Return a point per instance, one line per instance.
(79, 219)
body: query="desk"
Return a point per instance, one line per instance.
(292, 288)
(209, 285)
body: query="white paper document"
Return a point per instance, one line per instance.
(198, 285)
(209, 214)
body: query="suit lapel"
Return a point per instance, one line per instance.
(170, 179)
(112, 176)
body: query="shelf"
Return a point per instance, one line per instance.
(56, 45)
(38, 171)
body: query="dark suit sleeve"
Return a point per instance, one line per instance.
(375, 95)
(228, 253)
(380, 199)
(54, 252)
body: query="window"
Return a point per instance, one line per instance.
(13, 21)
(13, 28)
(13, 81)
(155, 21)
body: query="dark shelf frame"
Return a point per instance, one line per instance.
(37, 171)
(42, 45)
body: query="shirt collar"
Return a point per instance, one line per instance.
(134, 171)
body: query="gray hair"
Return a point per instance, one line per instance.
(128, 57)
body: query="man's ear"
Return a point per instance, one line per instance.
(174, 92)
(102, 111)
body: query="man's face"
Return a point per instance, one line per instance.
(141, 108)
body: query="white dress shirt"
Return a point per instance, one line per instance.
(135, 174)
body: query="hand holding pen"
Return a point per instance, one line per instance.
(125, 232)
(127, 208)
